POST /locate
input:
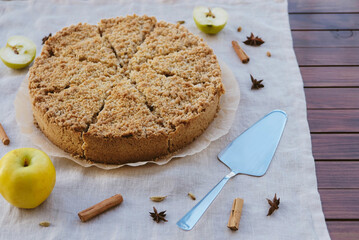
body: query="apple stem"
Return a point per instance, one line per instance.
(26, 162)
(210, 14)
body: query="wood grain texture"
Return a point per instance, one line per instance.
(339, 174)
(309, 21)
(320, 6)
(335, 146)
(325, 38)
(327, 56)
(330, 76)
(340, 203)
(343, 230)
(328, 98)
(332, 121)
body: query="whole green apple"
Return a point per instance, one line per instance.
(27, 177)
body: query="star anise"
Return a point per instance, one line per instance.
(253, 41)
(158, 216)
(256, 84)
(44, 39)
(274, 204)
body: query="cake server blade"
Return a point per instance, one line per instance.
(250, 154)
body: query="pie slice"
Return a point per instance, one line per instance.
(165, 38)
(187, 109)
(54, 74)
(125, 34)
(126, 130)
(81, 42)
(65, 115)
(197, 65)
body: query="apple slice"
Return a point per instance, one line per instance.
(18, 53)
(210, 20)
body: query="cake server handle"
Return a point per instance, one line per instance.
(188, 221)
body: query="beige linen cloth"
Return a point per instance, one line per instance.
(291, 174)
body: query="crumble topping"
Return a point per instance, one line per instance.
(128, 77)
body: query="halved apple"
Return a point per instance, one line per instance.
(18, 53)
(210, 20)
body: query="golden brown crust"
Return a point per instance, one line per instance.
(65, 138)
(186, 133)
(120, 150)
(84, 104)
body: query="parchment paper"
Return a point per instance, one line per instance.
(219, 127)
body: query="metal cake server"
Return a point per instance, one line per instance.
(250, 153)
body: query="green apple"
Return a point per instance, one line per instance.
(210, 20)
(27, 177)
(18, 53)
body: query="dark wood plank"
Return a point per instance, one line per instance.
(329, 98)
(333, 121)
(308, 21)
(343, 230)
(340, 203)
(335, 146)
(327, 56)
(320, 6)
(325, 38)
(330, 76)
(343, 174)
(337, 204)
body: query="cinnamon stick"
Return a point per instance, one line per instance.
(100, 207)
(236, 213)
(241, 54)
(4, 138)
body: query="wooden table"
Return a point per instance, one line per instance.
(326, 41)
